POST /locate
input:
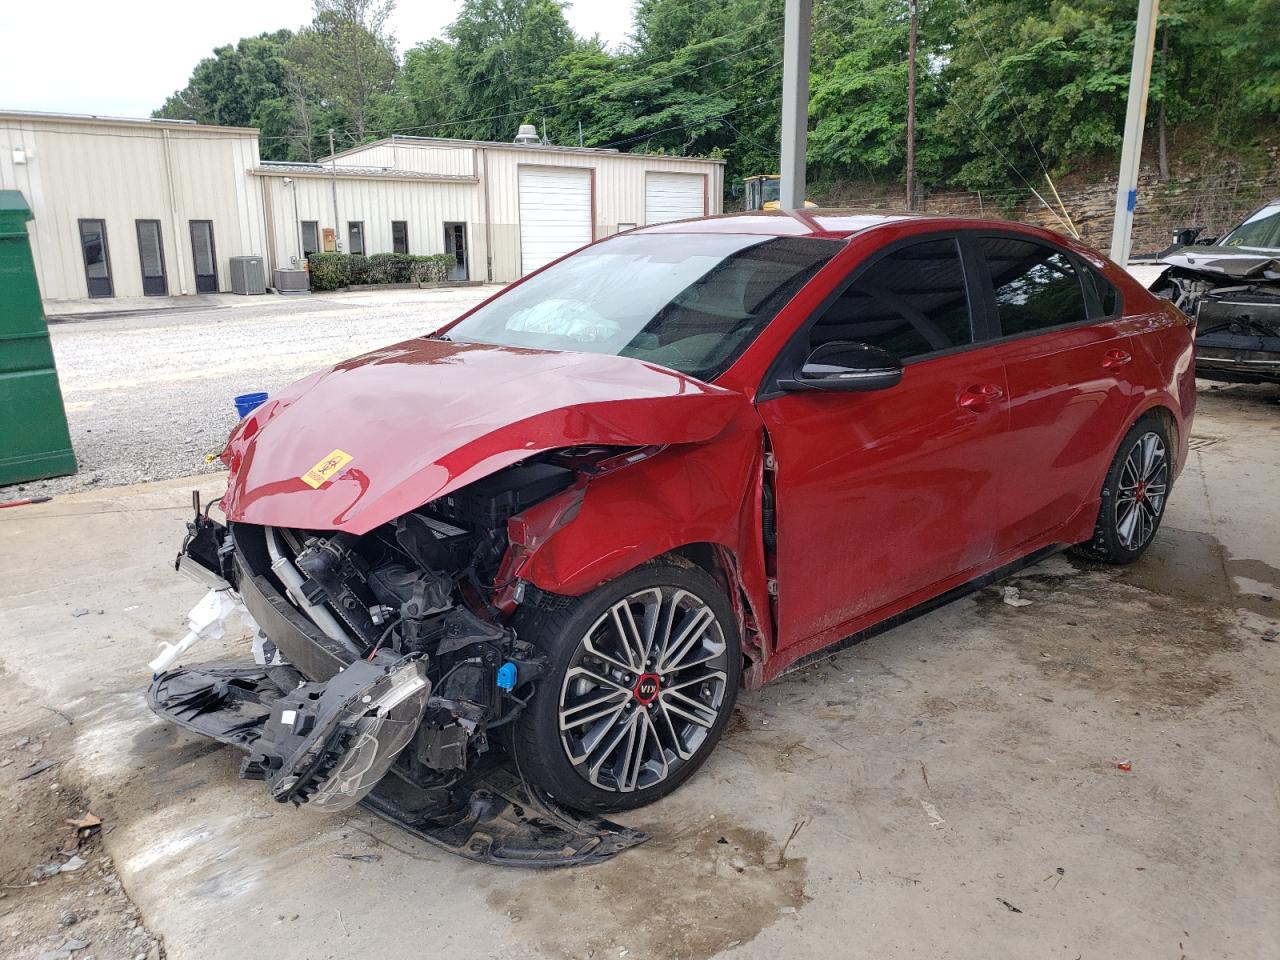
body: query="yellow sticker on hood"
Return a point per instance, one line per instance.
(326, 469)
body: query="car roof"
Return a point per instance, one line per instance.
(811, 222)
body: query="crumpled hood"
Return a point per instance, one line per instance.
(365, 441)
(1225, 262)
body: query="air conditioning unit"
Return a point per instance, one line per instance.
(292, 281)
(248, 276)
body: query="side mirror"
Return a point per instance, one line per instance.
(845, 366)
(1186, 236)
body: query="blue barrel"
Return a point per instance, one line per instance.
(247, 402)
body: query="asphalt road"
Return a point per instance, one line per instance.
(149, 396)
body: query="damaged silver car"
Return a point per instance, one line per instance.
(1230, 286)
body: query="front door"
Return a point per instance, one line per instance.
(204, 256)
(882, 495)
(151, 257)
(97, 259)
(1068, 358)
(455, 243)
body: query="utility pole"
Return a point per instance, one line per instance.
(798, 29)
(333, 184)
(1144, 43)
(911, 107)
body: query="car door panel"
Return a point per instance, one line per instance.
(881, 494)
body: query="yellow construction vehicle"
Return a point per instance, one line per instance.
(761, 192)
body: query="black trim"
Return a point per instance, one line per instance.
(928, 606)
(159, 286)
(793, 353)
(89, 282)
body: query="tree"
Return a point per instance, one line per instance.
(348, 58)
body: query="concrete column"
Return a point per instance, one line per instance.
(798, 26)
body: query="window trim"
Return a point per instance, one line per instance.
(405, 224)
(980, 319)
(1092, 305)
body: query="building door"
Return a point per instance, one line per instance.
(97, 261)
(455, 242)
(555, 214)
(310, 238)
(355, 237)
(204, 256)
(674, 196)
(151, 256)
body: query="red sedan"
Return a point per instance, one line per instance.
(566, 529)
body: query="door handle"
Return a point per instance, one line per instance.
(1116, 358)
(978, 396)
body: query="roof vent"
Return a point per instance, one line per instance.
(528, 134)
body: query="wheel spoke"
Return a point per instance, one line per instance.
(1125, 527)
(692, 632)
(692, 710)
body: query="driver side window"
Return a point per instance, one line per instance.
(910, 303)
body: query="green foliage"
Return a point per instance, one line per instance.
(1006, 89)
(331, 271)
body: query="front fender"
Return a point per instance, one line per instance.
(685, 494)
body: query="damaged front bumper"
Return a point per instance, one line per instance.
(326, 731)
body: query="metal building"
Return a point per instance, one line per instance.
(127, 208)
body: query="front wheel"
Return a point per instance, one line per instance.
(1133, 495)
(643, 675)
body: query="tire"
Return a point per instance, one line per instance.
(1134, 495)
(628, 737)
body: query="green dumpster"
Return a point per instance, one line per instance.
(34, 442)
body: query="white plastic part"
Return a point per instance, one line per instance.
(208, 618)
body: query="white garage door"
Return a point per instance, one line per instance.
(555, 214)
(673, 196)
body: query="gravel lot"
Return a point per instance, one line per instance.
(149, 397)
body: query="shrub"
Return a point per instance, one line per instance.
(329, 271)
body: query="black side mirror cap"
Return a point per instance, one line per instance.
(845, 366)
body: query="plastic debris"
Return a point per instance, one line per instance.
(39, 768)
(1124, 765)
(1014, 599)
(75, 863)
(1008, 906)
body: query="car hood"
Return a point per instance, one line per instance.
(361, 443)
(1226, 262)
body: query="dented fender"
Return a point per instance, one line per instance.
(599, 529)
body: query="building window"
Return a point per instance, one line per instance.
(97, 262)
(310, 238)
(204, 256)
(355, 236)
(399, 236)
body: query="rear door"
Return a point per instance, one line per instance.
(204, 256)
(1068, 360)
(882, 495)
(555, 214)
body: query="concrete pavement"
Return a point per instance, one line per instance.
(952, 785)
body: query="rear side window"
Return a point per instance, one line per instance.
(911, 302)
(1108, 296)
(1036, 287)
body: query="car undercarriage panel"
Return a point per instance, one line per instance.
(487, 814)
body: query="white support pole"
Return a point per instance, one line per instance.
(798, 27)
(1144, 42)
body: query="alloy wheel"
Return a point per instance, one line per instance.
(1143, 484)
(644, 689)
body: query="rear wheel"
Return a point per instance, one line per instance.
(643, 676)
(1133, 495)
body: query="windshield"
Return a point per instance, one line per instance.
(690, 302)
(1262, 230)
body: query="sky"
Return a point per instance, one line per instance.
(123, 58)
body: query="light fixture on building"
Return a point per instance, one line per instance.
(19, 155)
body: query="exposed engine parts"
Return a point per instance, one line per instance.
(394, 675)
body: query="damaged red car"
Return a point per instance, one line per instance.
(510, 576)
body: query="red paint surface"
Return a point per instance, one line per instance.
(884, 499)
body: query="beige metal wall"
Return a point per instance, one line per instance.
(120, 172)
(619, 186)
(425, 205)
